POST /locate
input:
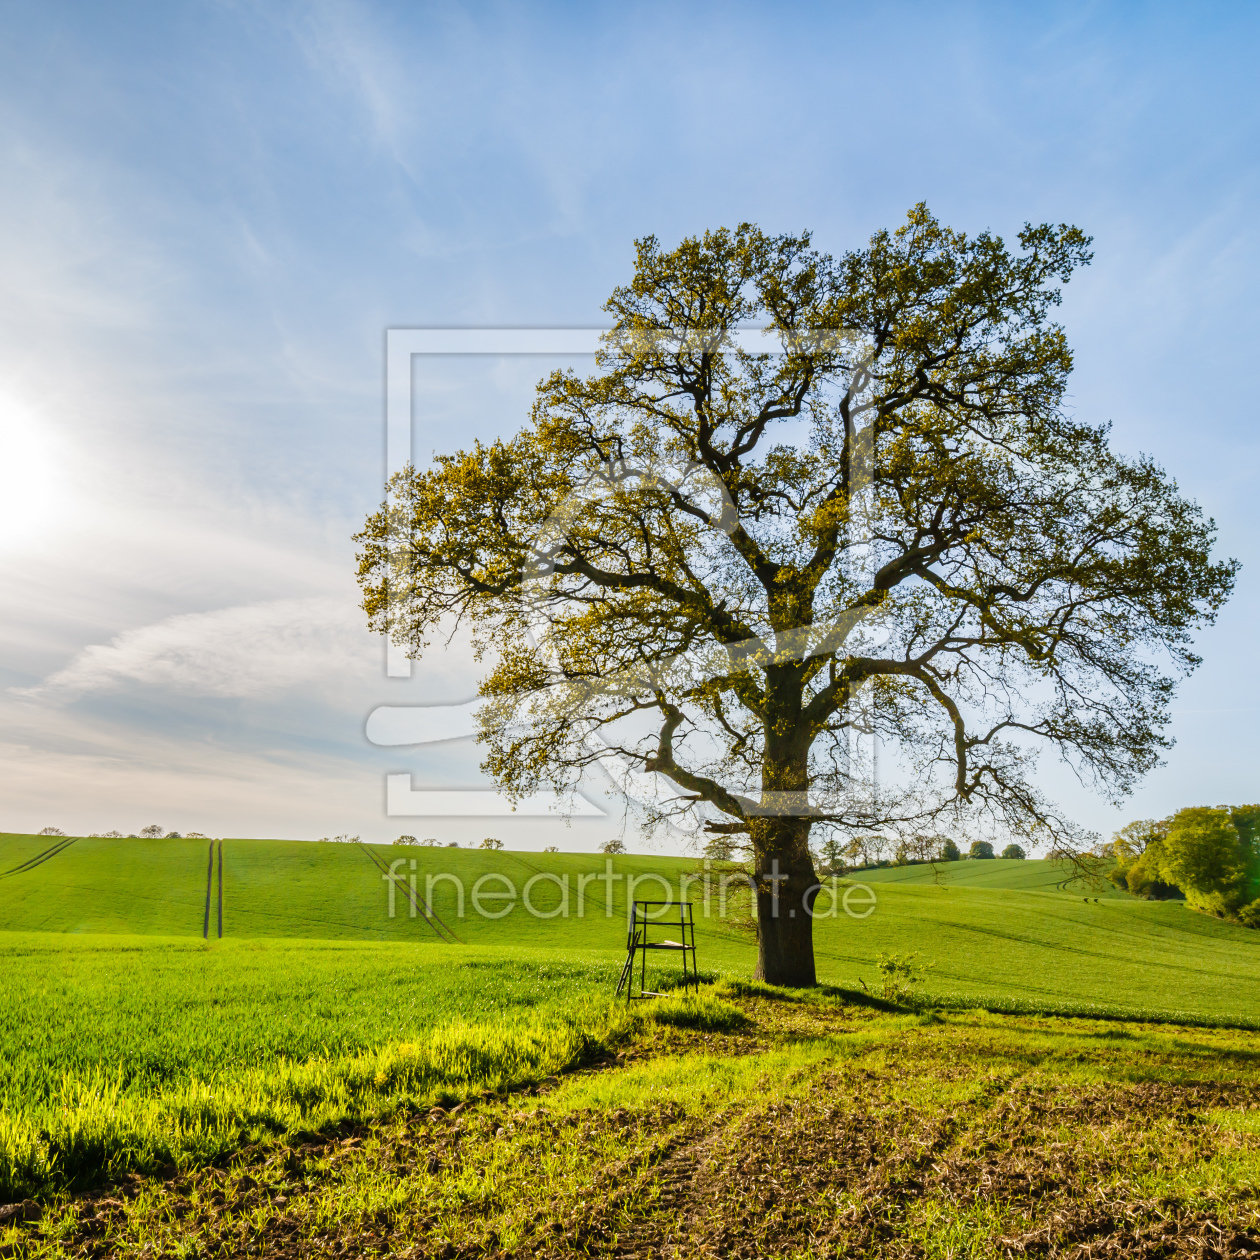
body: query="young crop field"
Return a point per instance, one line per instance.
(753, 1123)
(1015, 874)
(188, 1077)
(126, 1052)
(1017, 935)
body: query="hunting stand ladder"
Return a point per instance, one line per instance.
(637, 942)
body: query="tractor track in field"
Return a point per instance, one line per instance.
(205, 927)
(40, 858)
(205, 923)
(444, 933)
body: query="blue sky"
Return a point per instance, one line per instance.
(210, 213)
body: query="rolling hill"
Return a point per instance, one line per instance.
(998, 931)
(1031, 875)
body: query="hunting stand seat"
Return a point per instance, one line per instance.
(638, 943)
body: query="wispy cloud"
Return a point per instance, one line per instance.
(247, 651)
(256, 651)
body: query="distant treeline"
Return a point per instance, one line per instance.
(837, 858)
(151, 832)
(1208, 855)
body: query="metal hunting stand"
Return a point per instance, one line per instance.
(637, 942)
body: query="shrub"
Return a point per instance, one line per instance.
(1014, 851)
(980, 849)
(1249, 915)
(899, 974)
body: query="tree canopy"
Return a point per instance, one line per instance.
(724, 565)
(1210, 855)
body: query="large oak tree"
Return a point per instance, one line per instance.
(719, 559)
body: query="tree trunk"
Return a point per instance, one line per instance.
(785, 892)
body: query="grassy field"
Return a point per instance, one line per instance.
(130, 1043)
(797, 1127)
(125, 1053)
(151, 887)
(1011, 874)
(278, 888)
(1053, 951)
(1005, 933)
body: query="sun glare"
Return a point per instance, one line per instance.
(32, 487)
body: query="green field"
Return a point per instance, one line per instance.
(796, 1127)
(1006, 932)
(1030, 875)
(129, 1039)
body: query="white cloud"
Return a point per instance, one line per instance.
(250, 650)
(260, 650)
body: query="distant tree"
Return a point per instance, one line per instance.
(173, 835)
(552, 848)
(431, 841)
(50, 831)
(833, 853)
(950, 852)
(980, 849)
(1014, 851)
(192, 835)
(720, 848)
(152, 831)
(491, 843)
(612, 846)
(1204, 857)
(118, 835)
(863, 850)
(1131, 840)
(1246, 820)
(406, 840)
(1145, 875)
(452, 844)
(1137, 850)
